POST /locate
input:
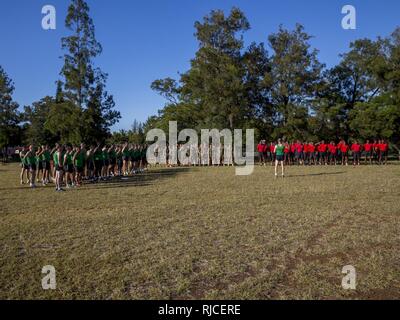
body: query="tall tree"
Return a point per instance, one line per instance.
(358, 78)
(81, 46)
(294, 79)
(85, 85)
(99, 116)
(212, 91)
(10, 131)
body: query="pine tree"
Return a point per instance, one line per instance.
(84, 85)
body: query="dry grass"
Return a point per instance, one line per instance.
(205, 234)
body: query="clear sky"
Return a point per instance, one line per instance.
(152, 39)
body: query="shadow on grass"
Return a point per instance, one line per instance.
(139, 180)
(315, 174)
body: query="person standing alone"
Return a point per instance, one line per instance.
(279, 157)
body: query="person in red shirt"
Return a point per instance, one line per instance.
(322, 147)
(344, 150)
(305, 153)
(332, 153)
(383, 148)
(287, 153)
(272, 153)
(311, 153)
(292, 152)
(260, 150)
(299, 153)
(368, 151)
(356, 151)
(375, 150)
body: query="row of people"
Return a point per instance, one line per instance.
(302, 153)
(70, 165)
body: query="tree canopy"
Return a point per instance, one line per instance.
(282, 89)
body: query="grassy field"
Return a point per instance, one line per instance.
(205, 233)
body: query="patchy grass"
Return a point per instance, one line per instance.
(205, 233)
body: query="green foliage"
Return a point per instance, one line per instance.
(287, 93)
(38, 118)
(64, 122)
(82, 110)
(10, 118)
(378, 118)
(135, 135)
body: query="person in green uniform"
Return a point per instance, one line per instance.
(280, 156)
(84, 152)
(58, 159)
(113, 160)
(79, 161)
(30, 157)
(131, 159)
(24, 165)
(90, 167)
(98, 162)
(45, 161)
(106, 163)
(39, 167)
(144, 157)
(69, 167)
(135, 159)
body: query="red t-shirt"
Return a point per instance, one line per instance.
(322, 147)
(260, 147)
(332, 148)
(311, 148)
(383, 147)
(287, 149)
(344, 148)
(293, 148)
(299, 147)
(368, 147)
(355, 147)
(272, 148)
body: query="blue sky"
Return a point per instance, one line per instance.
(148, 40)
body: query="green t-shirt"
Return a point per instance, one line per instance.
(55, 159)
(280, 150)
(79, 159)
(98, 156)
(46, 156)
(31, 158)
(24, 161)
(69, 159)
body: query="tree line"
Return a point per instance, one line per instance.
(280, 89)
